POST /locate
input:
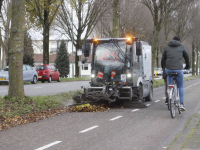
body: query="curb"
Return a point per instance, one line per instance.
(189, 138)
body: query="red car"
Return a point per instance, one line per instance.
(47, 73)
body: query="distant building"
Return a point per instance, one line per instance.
(53, 46)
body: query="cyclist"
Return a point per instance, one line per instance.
(172, 59)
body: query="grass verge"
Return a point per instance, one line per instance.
(15, 112)
(160, 82)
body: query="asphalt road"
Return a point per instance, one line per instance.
(150, 128)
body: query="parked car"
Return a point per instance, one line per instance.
(190, 71)
(185, 71)
(158, 71)
(29, 74)
(48, 73)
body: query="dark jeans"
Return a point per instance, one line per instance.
(179, 81)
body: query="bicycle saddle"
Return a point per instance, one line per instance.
(173, 74)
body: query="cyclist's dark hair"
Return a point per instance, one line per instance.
(176, 38)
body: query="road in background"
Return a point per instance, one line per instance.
(47, 88)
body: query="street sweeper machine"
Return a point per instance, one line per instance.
(121, 70)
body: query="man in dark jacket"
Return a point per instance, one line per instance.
(172, 61)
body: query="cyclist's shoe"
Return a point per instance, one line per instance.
(182, 107)
(166, 101)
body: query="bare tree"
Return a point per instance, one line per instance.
(194, 36)
(176, 22)
(103, 28)
(160, 10)
(16, 85)
(135, 20)
(182, 17)
(42, 13)
(87, 15)
(5, 29)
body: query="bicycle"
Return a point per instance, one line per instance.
(173, 93)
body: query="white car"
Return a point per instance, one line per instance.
(158, 71)
(29, 74)
(185, 71)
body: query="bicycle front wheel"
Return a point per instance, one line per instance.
(172, 103)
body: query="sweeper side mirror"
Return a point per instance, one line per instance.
(86, 49)
(84, 60)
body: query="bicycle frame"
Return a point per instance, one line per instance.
(174, 99)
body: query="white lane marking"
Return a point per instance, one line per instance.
(37, 87)
(192, 85)
(134, 110)
(115, 118)
(148, 104)
(49, 145)
(163, 97)
(164, 147)
(157, 101)
(88, 129)
(4, 91)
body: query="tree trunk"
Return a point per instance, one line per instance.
(5, 47)
(154, 47)
(3, 63)
(5, 43)
(197, 62)
(76, 64)
(193, 60)
(0, 50)
(157, 57)
(166, 32)
(78, 41)
(78, 46)
(4, 57)
(0, 6)
(46, 34)
(115, 23)
(0, 34)
(16, 85)
(46, 46)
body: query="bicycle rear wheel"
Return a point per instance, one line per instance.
(172, 103)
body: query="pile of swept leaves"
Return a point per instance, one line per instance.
(14, 112)
(88, 108)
